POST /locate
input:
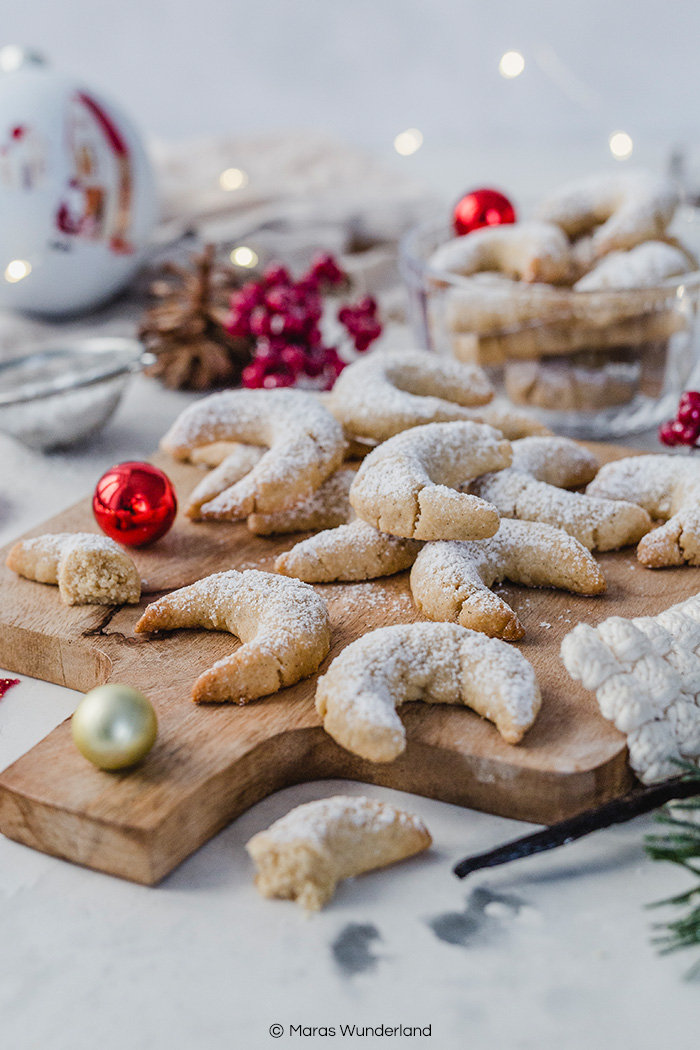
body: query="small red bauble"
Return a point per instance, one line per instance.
(134, 504)
(481, 208)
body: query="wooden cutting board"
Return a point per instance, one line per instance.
(212, 762)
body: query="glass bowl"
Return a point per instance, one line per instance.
(596, 364)
(57, 396)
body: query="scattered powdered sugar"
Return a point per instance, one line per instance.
(369, 595)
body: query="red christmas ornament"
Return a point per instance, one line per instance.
(481, 208)
(134, 504)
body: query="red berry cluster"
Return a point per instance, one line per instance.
(282, 317)
(361, 322)
(685, 428)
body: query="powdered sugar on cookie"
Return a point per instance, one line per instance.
(305, 446)
(283, 623)
(438, 663)
(305, 854)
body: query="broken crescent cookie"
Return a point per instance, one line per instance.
(529, 251)
(440, 663)
(407, 486)
(305, 446)
(356, 551)
(385, 393)
(283, 624)
(530, 491)
(304, 855)
(450, 581)
(326, 508)
(622, 210)
(668, 488)
(89, 569)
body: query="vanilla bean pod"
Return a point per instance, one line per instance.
(619, 811)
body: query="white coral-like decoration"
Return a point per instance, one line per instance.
(645, 673)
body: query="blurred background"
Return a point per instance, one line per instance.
(367, 71)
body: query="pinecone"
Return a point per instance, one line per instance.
(185, 330)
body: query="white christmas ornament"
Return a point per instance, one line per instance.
(645, 673)
(77, 195)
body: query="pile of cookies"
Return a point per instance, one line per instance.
(444, 485)
(439, 490)
(577, 306)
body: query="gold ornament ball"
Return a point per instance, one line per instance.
(114, 726)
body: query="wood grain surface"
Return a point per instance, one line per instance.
(212, 762)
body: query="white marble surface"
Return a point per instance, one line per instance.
(551, 951)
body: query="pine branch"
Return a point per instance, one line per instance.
(680, 844)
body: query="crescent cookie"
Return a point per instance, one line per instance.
(597, 381)
(326, 508)
(489, 303)
(356, 551)
(238, 462)
(215, 454)
(622, 210)
(382, 394)
(511, 423)
(530, 490)
(407, 486)
(539, 341)
(529, 251)
(305, 446)
(556, 460)
(643, 266)
(668, 488)
(490, 307)
(304, 855)
(440, 663)
(89, 569)
(450, 580)
(283, 624)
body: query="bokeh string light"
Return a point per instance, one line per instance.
(407, 142)
(233, 179)
(511, 65)
(244, 256)
(17, 270)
